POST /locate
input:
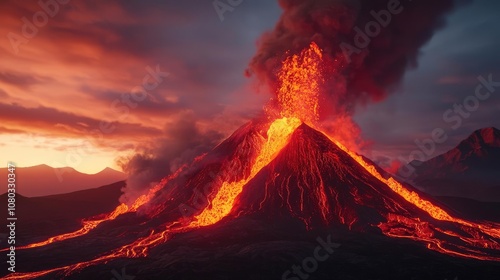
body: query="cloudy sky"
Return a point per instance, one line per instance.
(69, 81)
(447, 74)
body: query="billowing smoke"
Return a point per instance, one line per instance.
(182, 141)
(368, 45)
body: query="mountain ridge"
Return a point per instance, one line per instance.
(468, 170)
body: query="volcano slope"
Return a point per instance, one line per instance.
(313, 180)
(311, 192)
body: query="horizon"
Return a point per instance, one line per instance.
(60, 167)
(119, 169)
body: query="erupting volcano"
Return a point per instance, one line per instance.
(270, 172)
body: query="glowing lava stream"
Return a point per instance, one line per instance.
(491, 229)
(299, 77)
(412, 197)
(88, 225)
(278, 135)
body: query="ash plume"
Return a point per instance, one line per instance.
(182, 141)
(355, 74)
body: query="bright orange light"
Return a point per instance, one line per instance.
(277, 137)
(300, 79)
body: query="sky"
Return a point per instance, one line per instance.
(447, 74)
(70, 81)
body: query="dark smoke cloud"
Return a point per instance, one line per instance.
(182, 141)
(368, 76)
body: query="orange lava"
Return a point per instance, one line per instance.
(300, 80)
(221, 205)
(223, 202)
(479, 234)
(87, 226)
(298, 93)
(92, 223)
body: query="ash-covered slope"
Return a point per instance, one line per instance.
(314, 180)
(189, 192)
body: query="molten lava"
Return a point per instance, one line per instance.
(300, 79)
(92, 223)
(221, 205)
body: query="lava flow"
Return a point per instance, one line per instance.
(298, 99)
(93, 222)
(301, 172)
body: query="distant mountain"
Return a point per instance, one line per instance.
(469, 170)
(42, 180)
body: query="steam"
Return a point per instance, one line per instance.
(182, 141)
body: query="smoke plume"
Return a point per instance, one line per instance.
(360, 68)
(181, 142)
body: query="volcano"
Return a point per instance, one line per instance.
(311, 186)
(315, 181)
(278, 192)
